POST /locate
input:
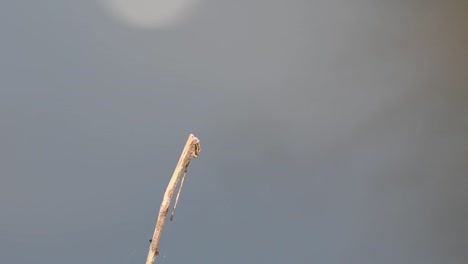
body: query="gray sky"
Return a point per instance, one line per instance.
(331, 131)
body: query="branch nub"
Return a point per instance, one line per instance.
(196, 148)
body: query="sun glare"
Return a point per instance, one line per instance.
(150, 13)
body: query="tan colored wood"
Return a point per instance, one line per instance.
(190, 151)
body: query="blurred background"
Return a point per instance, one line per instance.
(331, 131)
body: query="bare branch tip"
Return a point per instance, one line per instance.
(196, 146)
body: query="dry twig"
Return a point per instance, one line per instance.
(190, 151)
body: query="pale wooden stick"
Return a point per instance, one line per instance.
(190, 151)
(178, 192)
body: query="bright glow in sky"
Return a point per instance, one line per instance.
(150, 13)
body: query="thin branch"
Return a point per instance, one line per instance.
(190, 151)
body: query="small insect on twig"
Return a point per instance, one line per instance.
(190, 151)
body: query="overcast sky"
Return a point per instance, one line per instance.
(331, 131)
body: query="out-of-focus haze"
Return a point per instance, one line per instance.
(331, 131)
(150, 13)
